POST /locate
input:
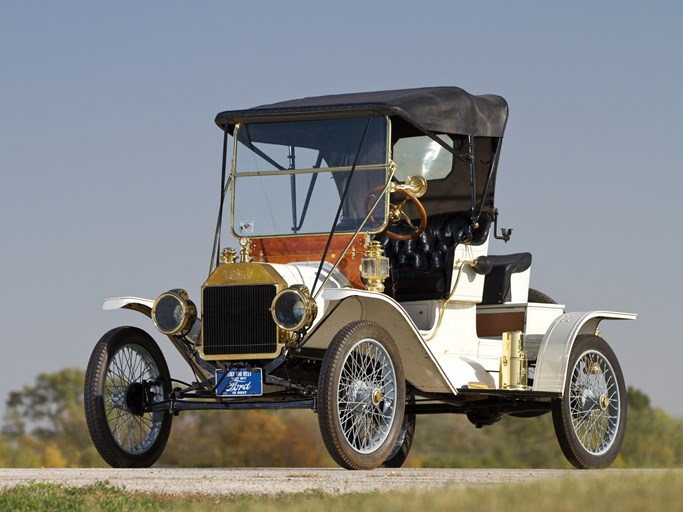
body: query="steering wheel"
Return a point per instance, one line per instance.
(397, 215)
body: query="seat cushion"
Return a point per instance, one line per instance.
(497, 289)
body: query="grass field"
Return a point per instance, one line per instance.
(653, 491)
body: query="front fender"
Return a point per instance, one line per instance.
(145, 306)
(347, 305)
(138, 304)
(553, 354)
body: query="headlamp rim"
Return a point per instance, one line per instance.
(310, 307)
(189, 312)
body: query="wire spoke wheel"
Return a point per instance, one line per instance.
(367, 396)
(361, 396)
(135, 433)
(590, 418)
(126, 373)
(593, 402)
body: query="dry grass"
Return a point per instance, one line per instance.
(660, 490)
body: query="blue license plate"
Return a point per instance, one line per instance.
(239, 382)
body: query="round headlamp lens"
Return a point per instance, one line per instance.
(293, 309)
(173, 313)
(289, 310)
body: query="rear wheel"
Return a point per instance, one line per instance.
(404, 443)
(540, 297)
(361, 396)
(125, 374)
(590, 418)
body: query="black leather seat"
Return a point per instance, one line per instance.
(422, 268)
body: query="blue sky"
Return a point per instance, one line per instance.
(110, 161)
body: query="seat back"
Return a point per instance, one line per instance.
(421, 268)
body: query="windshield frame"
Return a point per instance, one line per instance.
(386, 166)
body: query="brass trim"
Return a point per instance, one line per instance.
(414, 184)
(310, 170)
(604, 402)
(243, 357)
(189, 312)
(228, 255)
(236, 274)
(310, 307)
(513, 372)
(374, 251)
(245, 249)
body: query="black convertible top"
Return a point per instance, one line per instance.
(449, 110)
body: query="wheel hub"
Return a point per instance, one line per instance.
(377, 396)
(604, 402)
(594, 369)
(135, 398)
(363, 393)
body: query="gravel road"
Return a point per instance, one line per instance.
(233, 481)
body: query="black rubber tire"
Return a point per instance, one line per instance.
(404, 443)
(593, 405)
(379, 398)
(105, 384)
(539, 297)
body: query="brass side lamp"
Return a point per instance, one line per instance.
(374, 267)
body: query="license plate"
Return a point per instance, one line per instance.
(239, 382)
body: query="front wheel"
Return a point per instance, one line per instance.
(126, 373)
(361, 396)
(590, 418)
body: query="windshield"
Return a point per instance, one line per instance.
(289, 177)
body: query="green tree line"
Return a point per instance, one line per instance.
(44, 426)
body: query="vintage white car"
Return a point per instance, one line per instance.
(362, 289)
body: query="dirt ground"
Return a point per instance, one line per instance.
(262, 481)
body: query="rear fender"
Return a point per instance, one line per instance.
(553, 354)
(344, 306)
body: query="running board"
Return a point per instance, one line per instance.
(509, 393)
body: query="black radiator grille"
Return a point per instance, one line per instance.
(237, 320)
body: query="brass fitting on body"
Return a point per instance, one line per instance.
(228, 256)
(374, 266)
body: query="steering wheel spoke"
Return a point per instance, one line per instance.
(397, 215)
(406, 219)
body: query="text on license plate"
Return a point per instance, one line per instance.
(239, 382)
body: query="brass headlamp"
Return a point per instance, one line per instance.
(174, 313)
(293, 308)
(374, 266)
